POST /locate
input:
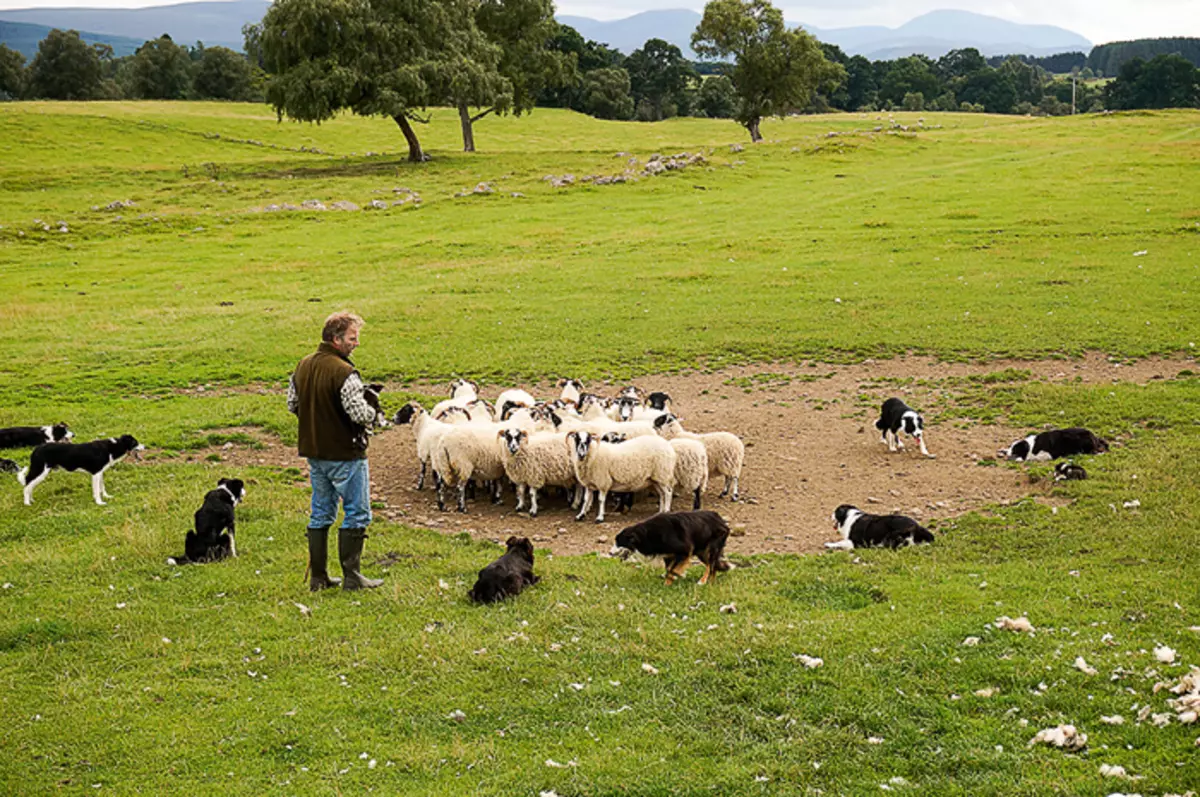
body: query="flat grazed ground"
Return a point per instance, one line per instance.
(811, 445)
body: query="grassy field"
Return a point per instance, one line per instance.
(961, 236)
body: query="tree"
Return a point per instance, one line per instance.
(659, 74)
(775, 69)
(861, 89)
(12, 73)
(1027, 79)
(911, 75)
(222, 74)
(160, 70)
(991, 88)
(606, 94)
(580, 56)
(374, 57)
(1166, 81)
(717, 98)
(960, 63)
(65, 68)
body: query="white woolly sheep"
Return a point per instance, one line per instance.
(571, 390)
(638, 464)
(726, 452)
(514, 396)
(535, 461)
(428, 431)
(465, 453)
(462, 393)
(691, 468)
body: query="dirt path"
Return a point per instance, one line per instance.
(810, 446)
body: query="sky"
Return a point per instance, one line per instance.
(1098, 20)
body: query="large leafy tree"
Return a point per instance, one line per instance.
(374, 57)
(222, 74)
(658, 75)
(1165, 81)
(580, 57)
(717, 98)
(606, 94)
(12, 73)
(160, 70)
(775, 69)
(66, 68)
(911, 75)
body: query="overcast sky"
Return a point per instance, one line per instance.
(1098, 20)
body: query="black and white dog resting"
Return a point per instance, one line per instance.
(9, 466)
(1069, 472)
(895, 417)
(94, 458)
(677, 537)
(508, 575)
(210, 542)
(1055, 444)
(860, 530)
(30, 436)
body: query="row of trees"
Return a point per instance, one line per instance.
(67, 68)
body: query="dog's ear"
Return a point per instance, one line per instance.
(378, 388)
(222, 482)
(513, 540)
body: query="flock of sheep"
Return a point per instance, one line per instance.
(586, 444)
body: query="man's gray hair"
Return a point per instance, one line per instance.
(338, 324)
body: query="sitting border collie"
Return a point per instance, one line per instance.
(894, 417)
(94, 458)
(677, 537)
(508, 575)
(1055, 444)
(30, 436)
(1069, 472)
(209, 542)
(860, 530)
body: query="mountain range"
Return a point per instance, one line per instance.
(220, 23)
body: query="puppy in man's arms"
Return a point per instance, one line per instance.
(677, 537)
(1055, 444)
(895, 417)
(30, 436)
(860, 530)
(508, 575)
(93, 458)
(215, 532)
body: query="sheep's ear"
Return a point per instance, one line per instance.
(500, 434)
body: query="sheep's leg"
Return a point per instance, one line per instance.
(462, 497)
(421, 477)
(497, 491)
(532, 501)
(520, 497)
(441, 485)
(725, 492)
(587, 504)
(696, 499)
(471, 487)
(735, 495)
(601, 500)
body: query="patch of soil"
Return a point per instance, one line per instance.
(810, 446)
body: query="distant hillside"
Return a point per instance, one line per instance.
(24, 38)
(933, 34)
(214, 23)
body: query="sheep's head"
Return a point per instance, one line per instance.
(453, 415)
(613, 437)
(633, 391)
(512, 439)
(408, 413)
(580, 444)
(667, 425)
(625, 407)
(658, 400)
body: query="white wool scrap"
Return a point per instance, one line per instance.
(1188, 683)
(649, 668)
(1019, 624)
(1160, 720)
(1114, 771)
(1084, 667)
(811, 662)
(729, 608)
(1164, 654)
(1066, 737)
(991, 691)
(1115, 719)
(970, 642)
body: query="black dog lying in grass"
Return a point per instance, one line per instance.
(508, 575)
(677, 537)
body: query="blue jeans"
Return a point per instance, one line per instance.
(351, 482)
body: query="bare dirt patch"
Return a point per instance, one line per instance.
(811, 445)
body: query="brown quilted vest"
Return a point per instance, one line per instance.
(326, 431)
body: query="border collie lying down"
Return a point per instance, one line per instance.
(94, 458)
(508, 575)
(860, 530)
(1055, 444)
(1069, 472)
(208, 542)
(677, 537)
(30, 436)
(895, 417)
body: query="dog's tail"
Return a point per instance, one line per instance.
(182, 559)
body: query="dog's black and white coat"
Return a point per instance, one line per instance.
(508, 575)
(371, 397)
(215, 531)
(94, 458)
(895, 417)
(860, 530)
(677, 537)
(9, 466)
(1069, 472)
(1055, 444)
(30, 436)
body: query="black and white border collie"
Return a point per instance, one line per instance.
(209, 542)
(1055, 444)
(30, 436)
(894, 417)
(1069, 472)
(371, 397)
(94, 458)
(860, 530)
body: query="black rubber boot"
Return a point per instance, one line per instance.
(318, 555)
(350, 547)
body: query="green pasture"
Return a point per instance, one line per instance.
(958, 236)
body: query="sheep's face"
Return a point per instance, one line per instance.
(633, 392)
(667, 426)
(408, 413)
(581, 444)
(658, 401)
(453, 415)
(463, 387)
(613, 437)
(625, 407)
(512, 439)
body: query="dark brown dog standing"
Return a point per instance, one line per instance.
(508, 575)
(677, 537)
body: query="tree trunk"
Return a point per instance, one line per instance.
(415, 155)
(468, 132)
(752, 126)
